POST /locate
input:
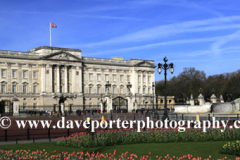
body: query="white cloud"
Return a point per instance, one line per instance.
(173, 29)
(216, 46)
(175, 42)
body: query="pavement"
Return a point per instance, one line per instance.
(28, 141)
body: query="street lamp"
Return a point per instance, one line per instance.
(165, 67)
(153, 86)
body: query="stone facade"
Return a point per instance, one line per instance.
(45, 77)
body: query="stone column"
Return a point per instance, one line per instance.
(134, 80)
(130, 104)
(79, 89)
(77, 80)
(30, 78)
(66, 79)
(153, 80)
(43, 78)
(201, 99)
(213, 98)
(191, 100)
(73, 79)
(20, 76)
(50, 78)
(15, 106)
(109, 103)
(58, 78)
(9, 76)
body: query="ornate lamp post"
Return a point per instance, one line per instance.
(165, 67)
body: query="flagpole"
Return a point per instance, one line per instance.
(50, 34)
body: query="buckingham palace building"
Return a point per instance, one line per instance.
(43, 78)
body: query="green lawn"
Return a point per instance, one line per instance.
(202, 149)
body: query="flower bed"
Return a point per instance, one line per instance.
(231, 148)
(115, 137)
(57, 155)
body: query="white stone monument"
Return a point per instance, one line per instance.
(213, 98)
(221, 99)
(201, 99)
(62, 108)
(15, 106)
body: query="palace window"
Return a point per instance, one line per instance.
(138, 90)
(128, 78)
(149, 79)
(121, 90)
(98, 90)
(106, 77)
(114, 77)
(148, 90)
(24, 89)
(24, 74)
(14, 73)
(90, 89)
(98, 77)
(114, 90)
(143, 79)
(143, 90)
(3, 73)
(14, 88)
(90, 77)
(35, 75)
(3, 88)
(34, 89)
(121, 78)
(138, 78)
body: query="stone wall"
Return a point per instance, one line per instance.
(192, 109)
(226, 107)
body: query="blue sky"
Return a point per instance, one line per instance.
(204, 34)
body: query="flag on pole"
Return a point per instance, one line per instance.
(53, 25)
